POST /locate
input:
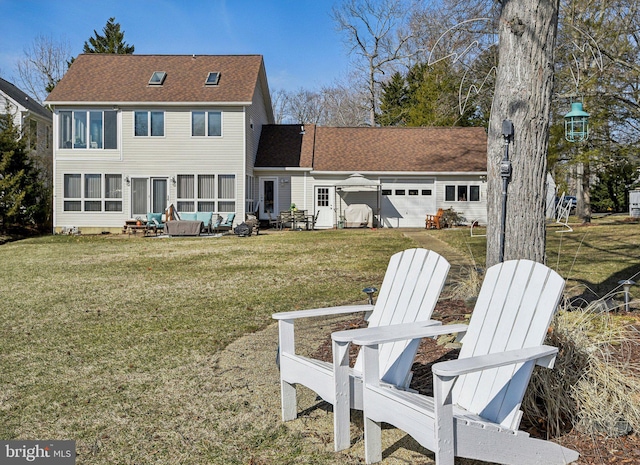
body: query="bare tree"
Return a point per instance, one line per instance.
(524, 84)
(304, 106)
(376, 36)
(344, 106)
(45, 62)
(279, 100)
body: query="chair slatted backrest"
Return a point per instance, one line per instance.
(409, 293)
(515, 306)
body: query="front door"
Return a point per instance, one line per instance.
(269, 198)
(324, 206)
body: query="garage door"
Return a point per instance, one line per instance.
(405, 203)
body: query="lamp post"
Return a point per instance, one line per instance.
(626, 286)
(576, 124)
(505, 173)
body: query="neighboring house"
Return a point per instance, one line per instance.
(136, 133)
(402, 174)
(34, 122)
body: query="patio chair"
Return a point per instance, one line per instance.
(435, 221)
(409, 292)
(225, 225)
(154, 221)
(273, 222)
(475, 411)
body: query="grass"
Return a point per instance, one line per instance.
(115, 342)
(591, 258)
(112, 341)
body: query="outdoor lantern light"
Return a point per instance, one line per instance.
(576, 123)
(370, 291)
(626, 286)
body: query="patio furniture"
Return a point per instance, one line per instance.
(183, 228)
(435, 221)
(409, 292)
(226, 224)
(475, 410)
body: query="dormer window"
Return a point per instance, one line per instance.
(212, 79)
(157, 78)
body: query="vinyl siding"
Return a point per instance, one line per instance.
(300, 190)
(471, 211)
(177, 152)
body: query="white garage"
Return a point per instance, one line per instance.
(406, 202)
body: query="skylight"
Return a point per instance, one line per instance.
(212, 79)
(157, 78)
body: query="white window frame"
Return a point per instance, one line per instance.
(197, 198)
(87, 132)
(457, 187)
(149, 123)
(207, 116)
(102, 198)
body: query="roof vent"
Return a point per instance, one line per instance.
(157, 78)
(212, 79)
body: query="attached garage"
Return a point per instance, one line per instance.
(417, 171)
(405, 202)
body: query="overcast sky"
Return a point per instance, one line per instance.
(300, 46)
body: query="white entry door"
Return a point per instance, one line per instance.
(324, 206)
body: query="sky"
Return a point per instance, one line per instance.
(297, 38)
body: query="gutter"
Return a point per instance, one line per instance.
(148, 104)
(402, 173)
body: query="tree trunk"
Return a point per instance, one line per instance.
(583, 199)
(524, 84)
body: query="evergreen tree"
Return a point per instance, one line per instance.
(434, 96)
(393, 103)
(111, 42)
(22, 194)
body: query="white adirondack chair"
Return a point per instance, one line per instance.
(409, 292)
(475, 411)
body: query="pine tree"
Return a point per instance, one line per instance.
(393, 103)
(21, 192)
(111, 42)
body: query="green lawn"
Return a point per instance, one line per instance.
(112, 341)
(592, 258)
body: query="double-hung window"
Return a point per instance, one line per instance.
(149, 123)
(92, 192)
(88, 129)
(206, 123)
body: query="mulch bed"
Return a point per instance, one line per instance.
(593, 449)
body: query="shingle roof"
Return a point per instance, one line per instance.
(23, 99)
(381, 149)
(113, 78)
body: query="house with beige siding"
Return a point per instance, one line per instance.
(401, 174)
(135, 134)
(34, 122)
